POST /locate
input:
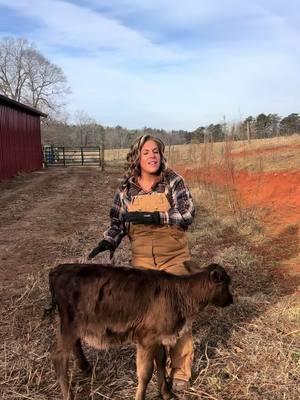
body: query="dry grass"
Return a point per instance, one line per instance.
(257, 353)
(248, 351)
(201, 154)
(255, 344)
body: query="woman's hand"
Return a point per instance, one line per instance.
(143, 217)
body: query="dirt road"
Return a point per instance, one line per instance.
(49, 216)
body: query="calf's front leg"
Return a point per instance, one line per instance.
(145, 365)
(161, 360)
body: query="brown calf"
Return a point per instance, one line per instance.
(106, 306)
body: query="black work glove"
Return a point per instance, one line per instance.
(143, 217)
(102, 246)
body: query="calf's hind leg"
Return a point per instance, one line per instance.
(60, 358)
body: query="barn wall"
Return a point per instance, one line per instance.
(20, 142)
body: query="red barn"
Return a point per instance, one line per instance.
(20, 138)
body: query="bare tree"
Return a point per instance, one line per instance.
(86, 128)
(27, 76)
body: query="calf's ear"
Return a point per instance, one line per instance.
(217, 276)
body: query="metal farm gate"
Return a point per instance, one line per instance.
(64, 156)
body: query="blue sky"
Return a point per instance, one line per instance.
(169, 64)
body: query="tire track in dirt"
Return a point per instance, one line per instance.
(21, 193)
(46, 217)
(53, 216)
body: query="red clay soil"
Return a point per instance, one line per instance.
(276, 193)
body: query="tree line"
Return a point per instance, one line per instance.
(260, 127)
(88, 133)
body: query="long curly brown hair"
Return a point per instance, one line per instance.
(133, 168)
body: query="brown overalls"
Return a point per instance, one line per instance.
(163, 248)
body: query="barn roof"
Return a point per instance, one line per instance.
(20, 106)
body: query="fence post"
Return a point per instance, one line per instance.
(81, 155)
(64, 156)
(248, 132)
(44, 156)
(102, 156)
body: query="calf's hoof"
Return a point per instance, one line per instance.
(168, 395)
(180, 385)
(86, 368)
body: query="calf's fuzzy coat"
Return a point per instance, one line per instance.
(107, 306)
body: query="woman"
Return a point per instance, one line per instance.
(154, 208)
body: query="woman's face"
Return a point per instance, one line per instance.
(150, 158)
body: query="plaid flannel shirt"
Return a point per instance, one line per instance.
(181, 213)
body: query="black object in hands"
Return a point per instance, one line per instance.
(102, 246)
(143, 217)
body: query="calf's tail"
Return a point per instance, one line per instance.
(52, 304)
